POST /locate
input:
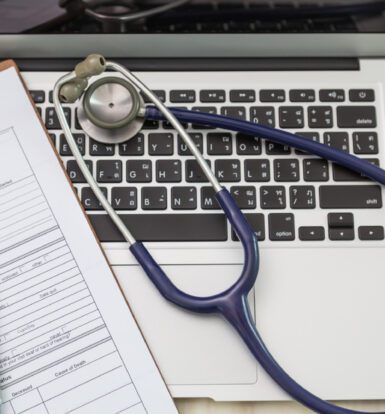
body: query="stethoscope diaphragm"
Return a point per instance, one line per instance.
(111, 111)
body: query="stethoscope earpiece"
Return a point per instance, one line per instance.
(93, 65)
(72, 91)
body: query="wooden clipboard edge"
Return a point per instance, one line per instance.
(7, 64)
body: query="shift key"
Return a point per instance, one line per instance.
(350, 196)
(356, 117)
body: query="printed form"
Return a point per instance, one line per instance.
(68, 342)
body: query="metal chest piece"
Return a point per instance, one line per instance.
(111, 111)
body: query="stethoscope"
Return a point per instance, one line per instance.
(113, 111)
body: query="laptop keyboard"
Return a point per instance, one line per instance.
(162, 195)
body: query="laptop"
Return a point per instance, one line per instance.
(314, 68)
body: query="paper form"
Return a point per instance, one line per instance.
(68, 342)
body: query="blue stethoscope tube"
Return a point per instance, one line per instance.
(232, 304)
(279, 136)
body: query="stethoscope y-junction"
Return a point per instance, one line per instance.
(113, 111)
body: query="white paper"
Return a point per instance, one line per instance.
(68, 342)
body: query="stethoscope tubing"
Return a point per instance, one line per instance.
(232, 304)
(236, 310)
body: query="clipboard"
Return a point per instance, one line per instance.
(147, 387)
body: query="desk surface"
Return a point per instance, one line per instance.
(198, 406)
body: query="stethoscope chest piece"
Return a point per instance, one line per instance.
(111, 111)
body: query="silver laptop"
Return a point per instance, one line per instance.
(311, 68)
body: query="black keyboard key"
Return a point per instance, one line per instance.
(97, 148)
(281, 227)
(164, 227)
(167, 125)
(154, 198)
(207, 110)
(208, 199)
(341, 234)
(150, 124)
(212, 96)
(161, 144)
(337, 220)
(291, 117)
(302, 197)
(311, 233)
(135, 146)
(51, 119)
(160, 94)
(228, 170)
(38, 96)
(263, 115)
(248, 145)
(273, 197)
(338, 140)
(350, 196)
(272, 95)
(236, 112)
(365, 142)
(245, 197)
(286, 170)
(257, 223)
(109, 171)
(371, 232)
(198, 140)
(219, 143)
(272, 148)
(182, 96)
(194, 173)
(302, 95)
(50, 96)
(183, 198)
(80, 141)
(361, 95)
(124, 198)
(332, 95)
(168, 171)
(139, 171)
(356, 117)
(344, 174)
(315, 169)
(242, 95)
(74, 172)
(257, 170)
(89, 200)
(320, 116)
(313, 136)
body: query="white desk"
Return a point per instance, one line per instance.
(189, 406)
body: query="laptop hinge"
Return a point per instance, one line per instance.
(204, 64)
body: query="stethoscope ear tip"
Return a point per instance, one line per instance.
(92, 65)
(70, 92)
